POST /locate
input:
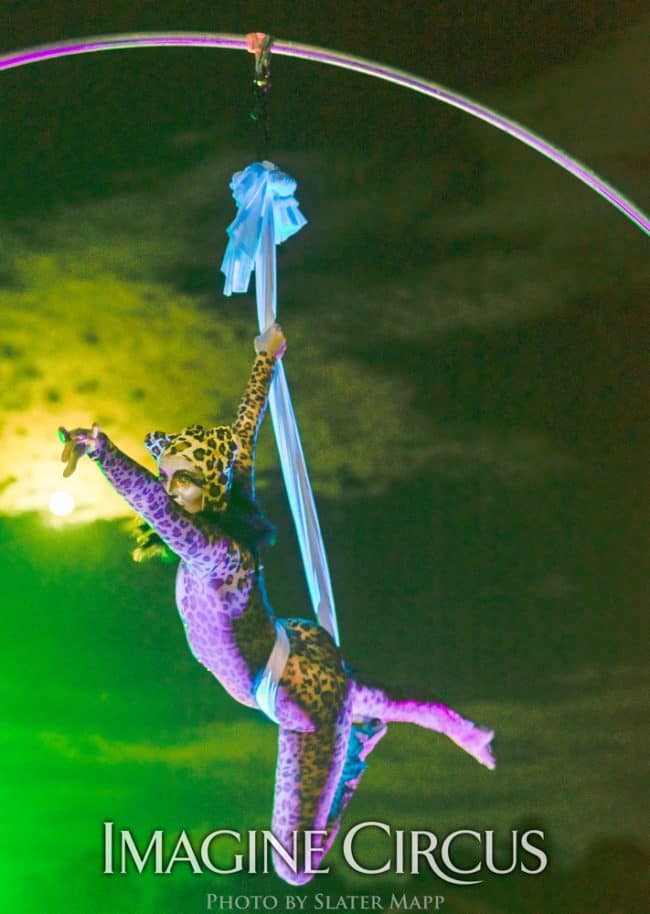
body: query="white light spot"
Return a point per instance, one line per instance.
(61, 504)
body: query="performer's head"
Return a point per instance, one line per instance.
(196, 465)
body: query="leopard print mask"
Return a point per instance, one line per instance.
(211, 450)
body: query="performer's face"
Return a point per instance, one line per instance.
(182, 481)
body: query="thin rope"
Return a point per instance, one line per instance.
(259, 44)
(348, 62)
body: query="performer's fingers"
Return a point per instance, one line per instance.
(71, 465)
(67, 450)
(77, 451)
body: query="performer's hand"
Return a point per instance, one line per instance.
(76, 443)
(272, 341)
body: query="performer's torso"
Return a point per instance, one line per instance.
(227, 622)
(230, 630)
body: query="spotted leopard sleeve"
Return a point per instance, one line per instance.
(147, 497)
(249, 418)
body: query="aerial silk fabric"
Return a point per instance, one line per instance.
(267, 215)
(267, 211)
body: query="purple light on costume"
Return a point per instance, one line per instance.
(348, 62)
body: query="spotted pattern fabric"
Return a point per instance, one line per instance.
(211, 450)
(223, 451)
(249, 419)
(230, 629)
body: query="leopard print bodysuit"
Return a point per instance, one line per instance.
(328, 724)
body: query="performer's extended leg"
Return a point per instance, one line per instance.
(364, 737)
(308, 771)
(372, 710)
(368, 702)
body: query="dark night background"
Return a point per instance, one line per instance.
(467, 360)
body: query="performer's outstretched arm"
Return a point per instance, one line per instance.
(145, 494)
(270, 347)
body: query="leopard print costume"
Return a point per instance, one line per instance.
(211, 450)
(328, 723)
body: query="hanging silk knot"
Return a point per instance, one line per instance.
(264, 197)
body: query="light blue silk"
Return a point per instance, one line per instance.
(267, 215)
(266, 690)
(263, 194)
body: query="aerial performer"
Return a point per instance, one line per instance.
(202, 505)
